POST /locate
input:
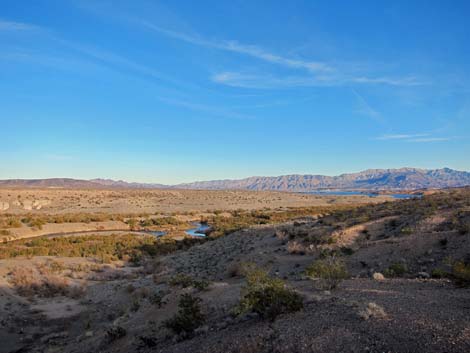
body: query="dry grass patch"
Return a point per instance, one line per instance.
(29, 282)
(329, 271)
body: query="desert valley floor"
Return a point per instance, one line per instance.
(274, 272)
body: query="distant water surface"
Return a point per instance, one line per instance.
(361, 193)
(199, 230)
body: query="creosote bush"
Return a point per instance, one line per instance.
(115, 332)
(439, 273)
(330, 271)
(189, 316)
(268, 297)
(185, 281)
(461, 273)
(396, 270)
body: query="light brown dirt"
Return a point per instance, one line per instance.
(55, 201)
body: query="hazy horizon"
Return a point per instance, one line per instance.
(212, 179)
(167, 92)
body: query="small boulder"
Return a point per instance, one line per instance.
(378, 276)
(424, 275)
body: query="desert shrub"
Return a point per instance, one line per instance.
(130, 288)
(396, 270)
(50, 266)
(201, 284)
(148, 341)
(281, 234)
(135, 257)
(347, 250)
(104, 248)
(330, 270)
(115, 332)
(372, 310)
(12, 222)
(132, 223)
(157, 299)
(181, 280)
(28, 283)
(135, 304)
(160, 221)
(406, 230)
(234, 269)
(70, 218)
(36, 223)
(189, 316)
(461, 222)
(268, 297)
(25, 281)
(53, 285)
(461, 273)
(439, 273)
(443, 242)
(242, 219)
(295, 247)
(152, 266)
(185, 281)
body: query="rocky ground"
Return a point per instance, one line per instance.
(417, 308)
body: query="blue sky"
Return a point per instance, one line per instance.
(179, 91)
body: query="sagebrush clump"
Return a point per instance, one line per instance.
(396, 270)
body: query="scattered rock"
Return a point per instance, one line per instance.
(53, 336)
(201, 330)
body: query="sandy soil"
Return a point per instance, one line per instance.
(57, 228)
(55, 201)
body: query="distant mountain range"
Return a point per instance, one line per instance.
(125, 184)
(371, 179)
(48, 183)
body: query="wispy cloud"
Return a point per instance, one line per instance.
(366, 109)
(236, 79)
(318, 73)
(400, 81)
(429, 139)
(113, 61)
(15, 26)
(247, 49)
(420, 137)
(400, 136)
(239, 79)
